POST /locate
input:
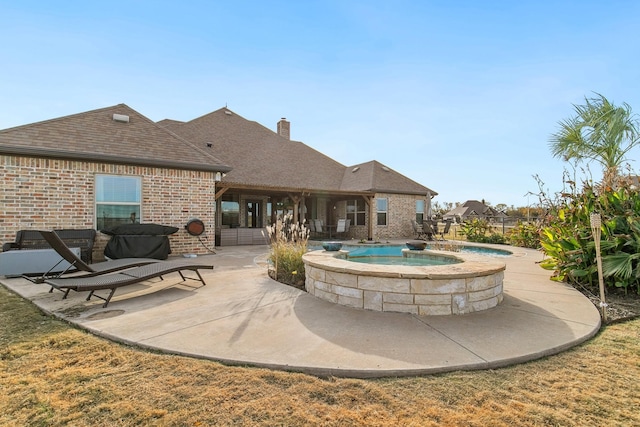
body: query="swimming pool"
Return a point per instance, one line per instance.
(401, 260)
(384, 250)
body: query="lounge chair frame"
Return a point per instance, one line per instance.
(128, 277)
(427, 230)
(447, 227)
(77, 264)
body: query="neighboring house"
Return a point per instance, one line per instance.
(101, 168)
(271, 174)
(113, 165)
(473, 209)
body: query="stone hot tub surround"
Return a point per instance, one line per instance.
(472, 284)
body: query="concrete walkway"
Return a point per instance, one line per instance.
(244, 317)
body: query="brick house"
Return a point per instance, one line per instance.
(114, 165)
(473, 209)
(271, 174)
(101, 168)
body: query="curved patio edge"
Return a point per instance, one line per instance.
(243, 318)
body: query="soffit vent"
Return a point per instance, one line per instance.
(122, 118)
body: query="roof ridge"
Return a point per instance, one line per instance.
(69, 116)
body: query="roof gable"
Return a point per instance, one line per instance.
(375, 177)
(112, 134)
(260, 157)
(474, 208)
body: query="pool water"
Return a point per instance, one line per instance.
(482, 250)
(396, 251)
(400, 260)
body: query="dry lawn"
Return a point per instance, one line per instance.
(53, 374)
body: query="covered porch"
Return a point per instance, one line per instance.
(242, 213)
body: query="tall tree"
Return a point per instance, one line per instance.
(599, 131)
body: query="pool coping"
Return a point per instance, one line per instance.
(471, 265)
(472, 284)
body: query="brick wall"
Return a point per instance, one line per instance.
(41, 193)
(401, 210)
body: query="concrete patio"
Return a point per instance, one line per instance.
(242, 317)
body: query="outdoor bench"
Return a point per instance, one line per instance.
(32, 239)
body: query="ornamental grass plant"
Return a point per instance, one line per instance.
(288, 240)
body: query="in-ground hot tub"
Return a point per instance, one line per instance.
(471, 283)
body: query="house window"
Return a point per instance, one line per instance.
(419, 211)
(118, 200)
(230, 206)
(356, 211)
(381, 211)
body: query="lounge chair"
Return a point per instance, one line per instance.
(418, 231)
(341, 228)
(447, 227)
(319, 229)
(77, 264)
(131, 276)
(428, 230)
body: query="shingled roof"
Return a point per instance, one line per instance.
(116, 134)
(261, 158)
(474, 208)
(252, 155)
(375, 177)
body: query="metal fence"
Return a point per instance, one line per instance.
(500, 225)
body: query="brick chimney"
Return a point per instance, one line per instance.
(284, 128)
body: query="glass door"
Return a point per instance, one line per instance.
(253, 217)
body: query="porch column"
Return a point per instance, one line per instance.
(296, 207)
(369, 202)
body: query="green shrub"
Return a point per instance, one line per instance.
(525, 235)
(288, 244)
(567, 239)
(286, 259)
(479, 231)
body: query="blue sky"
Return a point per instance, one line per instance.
(460, 96)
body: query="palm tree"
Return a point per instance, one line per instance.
(600, 131)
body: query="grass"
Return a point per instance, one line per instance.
(54, 374)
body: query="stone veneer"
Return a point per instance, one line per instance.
(475, 284)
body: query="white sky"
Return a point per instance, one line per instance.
(459, 96)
